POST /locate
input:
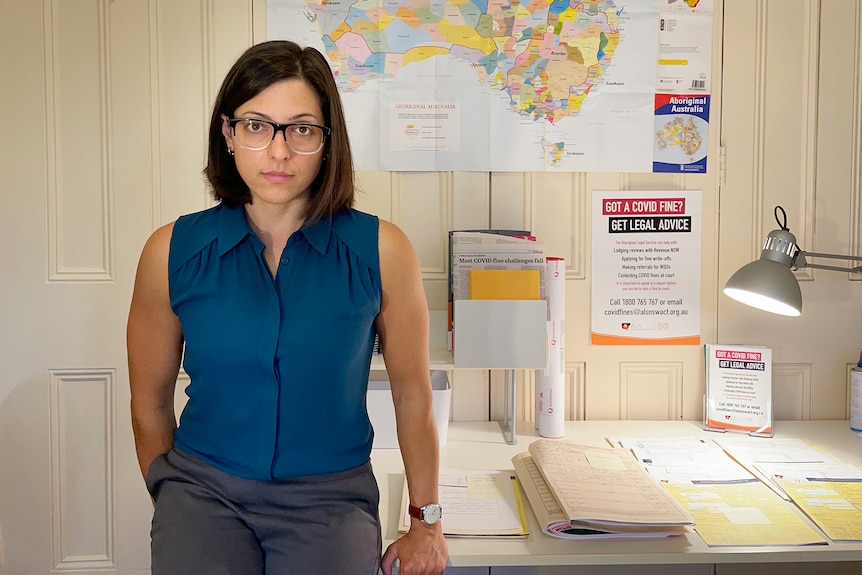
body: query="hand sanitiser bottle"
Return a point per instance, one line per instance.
(856, 397)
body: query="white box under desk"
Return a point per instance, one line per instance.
(381, 410)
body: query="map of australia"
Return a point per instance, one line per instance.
(545, 56)
(490, 85)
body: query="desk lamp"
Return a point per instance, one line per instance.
(769, 283)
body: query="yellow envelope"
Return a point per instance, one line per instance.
(505, 284)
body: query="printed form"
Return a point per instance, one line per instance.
(829, 492)
(476, 504)
(730, 505)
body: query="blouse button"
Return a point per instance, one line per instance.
(285, 260)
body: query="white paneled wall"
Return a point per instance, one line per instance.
(791, 128)
(106, 107)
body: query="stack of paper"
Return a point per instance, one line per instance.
(476, 504)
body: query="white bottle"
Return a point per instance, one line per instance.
(856, 397)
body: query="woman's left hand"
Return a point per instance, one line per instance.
(422, 551)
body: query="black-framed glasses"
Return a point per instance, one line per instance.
(256, 134)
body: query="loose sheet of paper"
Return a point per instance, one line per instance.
(685, 460)
(829, 492)
(753, 452)
(835, 507)
(743, 514)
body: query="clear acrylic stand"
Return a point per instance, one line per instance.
(501, 334)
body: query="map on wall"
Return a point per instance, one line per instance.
(502, 85)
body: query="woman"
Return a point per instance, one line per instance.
(272, 300)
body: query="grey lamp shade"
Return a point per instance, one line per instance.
(766, 285)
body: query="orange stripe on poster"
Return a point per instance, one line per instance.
(718, 424)
(604, 339)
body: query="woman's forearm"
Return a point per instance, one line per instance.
(154, 433)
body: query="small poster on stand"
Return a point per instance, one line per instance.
(738, 389)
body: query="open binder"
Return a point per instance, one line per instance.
(582, 491)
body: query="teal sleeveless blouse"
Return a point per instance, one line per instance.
(278, 366)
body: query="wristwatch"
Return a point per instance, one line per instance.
(429, 514)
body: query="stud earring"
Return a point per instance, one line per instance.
(230, 151)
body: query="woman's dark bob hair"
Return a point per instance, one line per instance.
(256, 69)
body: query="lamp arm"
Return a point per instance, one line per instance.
(802, 262)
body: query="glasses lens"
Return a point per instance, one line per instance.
(304, 138)
(253, 134)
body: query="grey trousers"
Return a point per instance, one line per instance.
(207, 522)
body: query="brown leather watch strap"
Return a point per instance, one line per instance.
(414, 511)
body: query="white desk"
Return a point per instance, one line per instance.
(480, 446)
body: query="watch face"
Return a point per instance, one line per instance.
(432, 513)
